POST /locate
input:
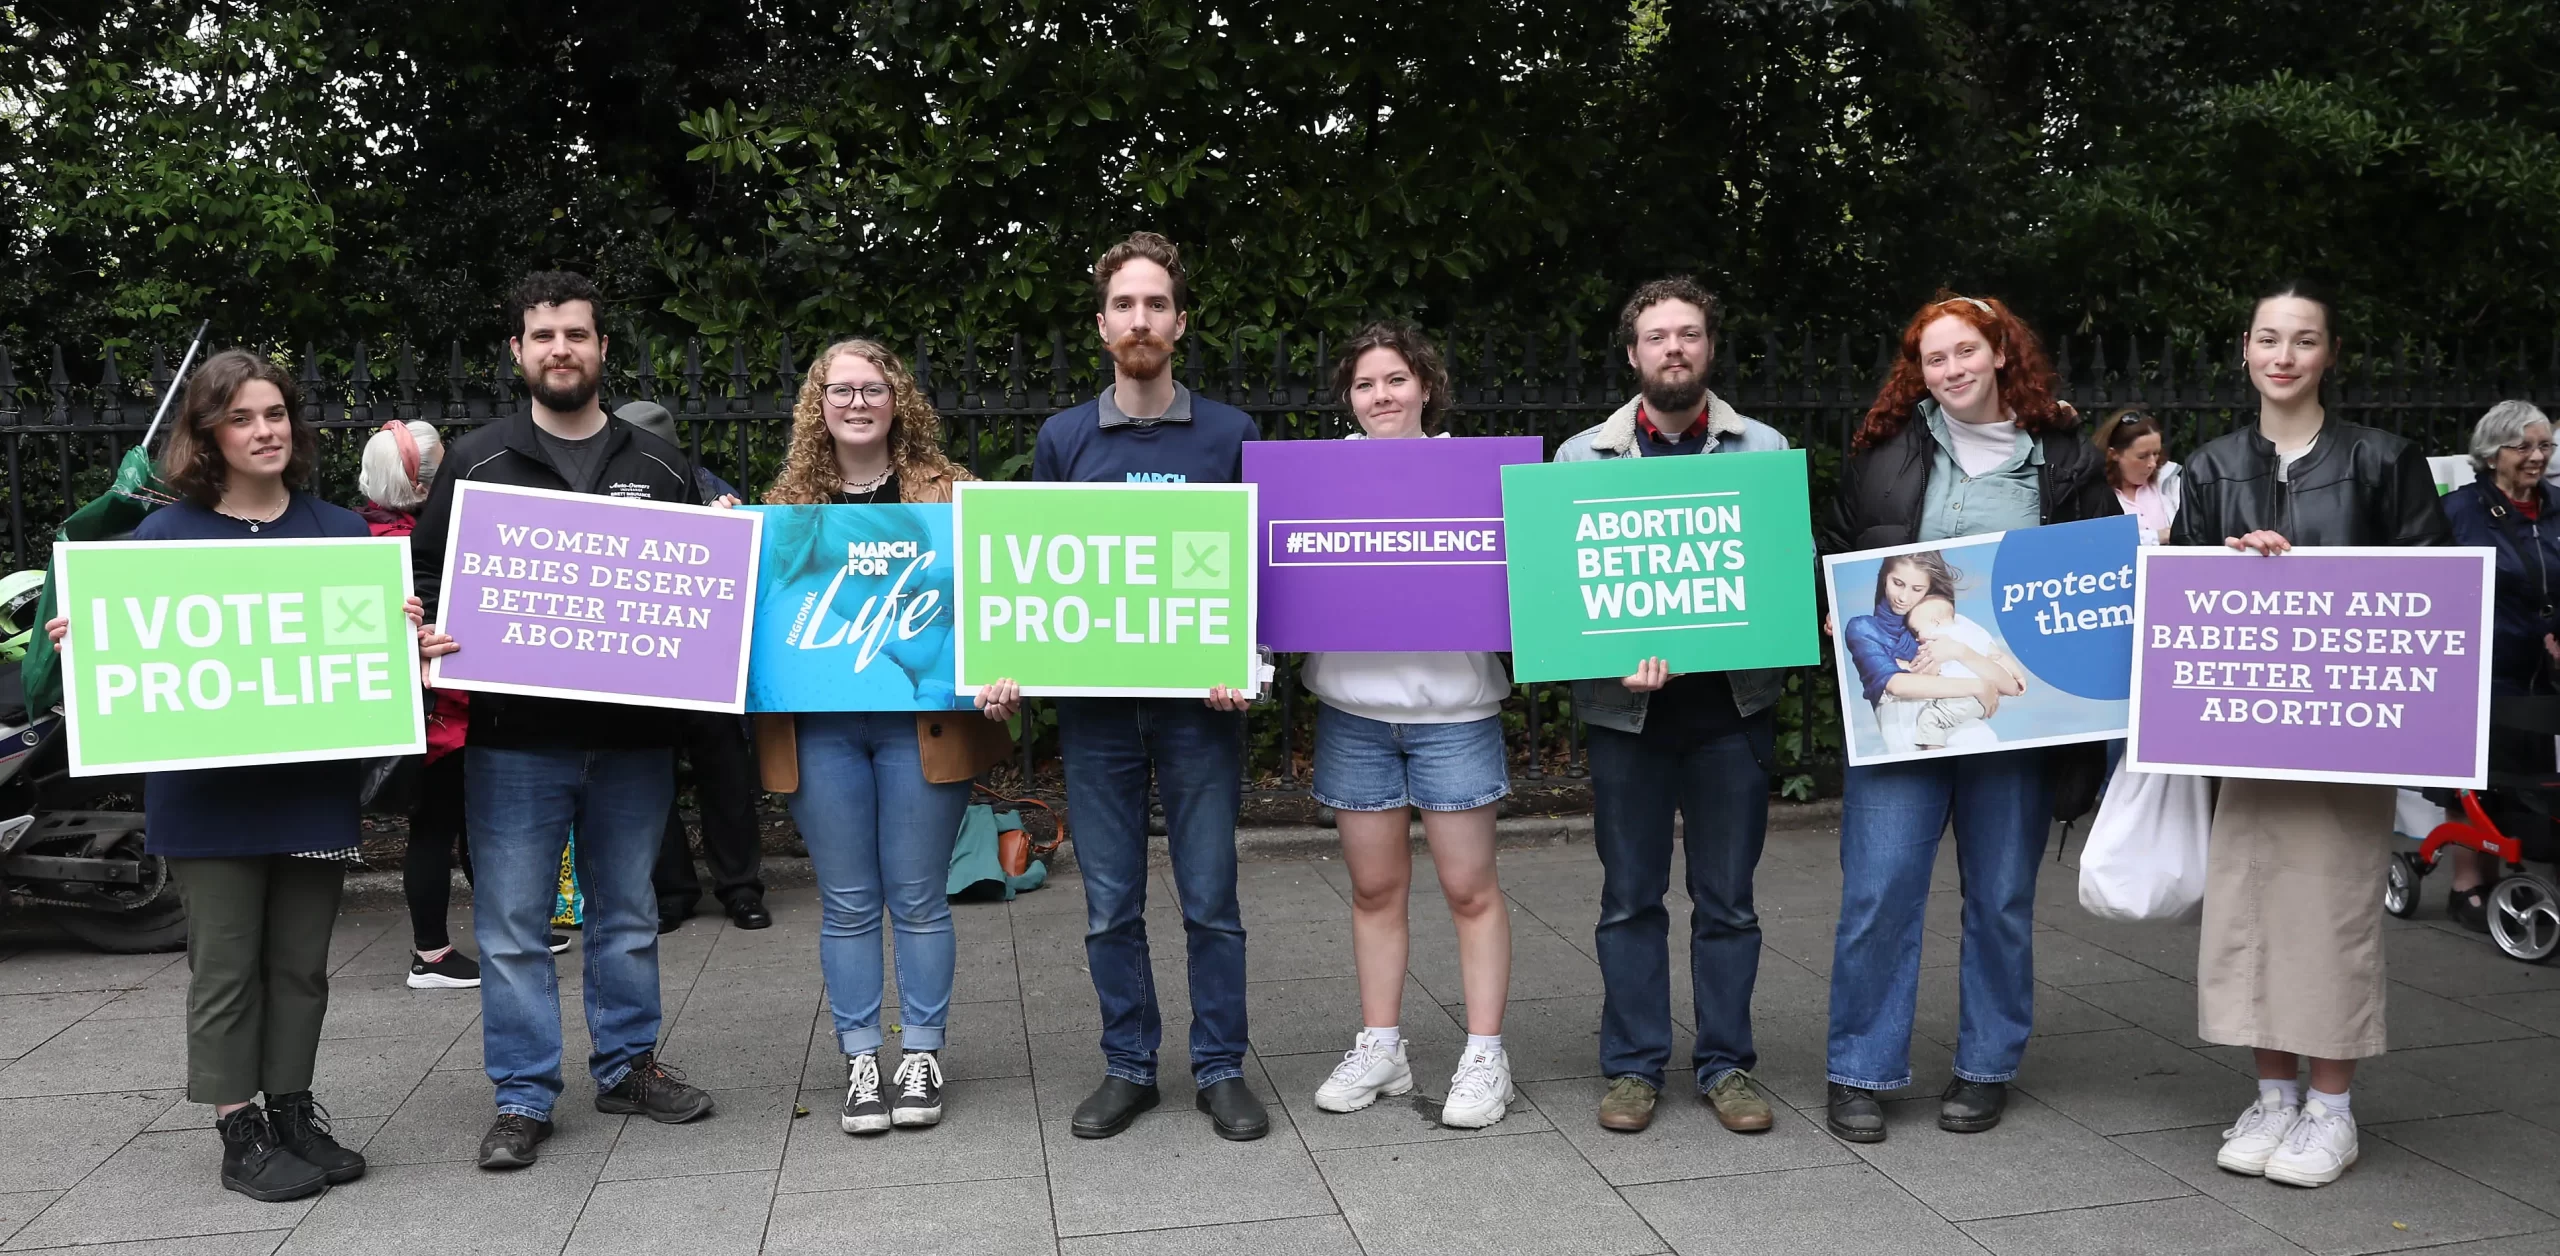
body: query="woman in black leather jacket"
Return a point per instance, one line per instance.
(2291, 958)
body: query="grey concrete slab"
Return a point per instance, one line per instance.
(2417, 1018)
(27, 1020)
(2460, 964)
(66, 968)
(443, 1119)
(744, 1133)
(1007, 1217)
(2538, 1010)
(2391, 1199)
(158, 1186)
(260, 1243)
(2121, 1080)
(716, 1215)
(2057, 1011)
(2164, 947)
(152, 1002)
(2542, 1243)
(1529, 1194)
(2494, 1072)
(990, 1129)
(1412, 1118)
(1795, 1053)
(102, 1057)
(2190, 1226)
(1842, 1210)
(1549, 1039)
(17, 1208)
(450, 1210)
(1171, 1169)
(1298, 1236)
(2494, 1149)
(2164, 1005)
(1287, 950)
(2036, 1160)
(2066, 960)
(1684, 1141)
(55, 1141)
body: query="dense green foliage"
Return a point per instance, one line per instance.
(316, 169)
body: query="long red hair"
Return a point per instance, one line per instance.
(2026, 382)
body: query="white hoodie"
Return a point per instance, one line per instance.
(1409, 686)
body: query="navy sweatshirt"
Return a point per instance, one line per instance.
(1075, 448)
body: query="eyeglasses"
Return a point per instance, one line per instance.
(871, 394)
(2543, 447)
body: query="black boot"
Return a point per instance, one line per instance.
(255, 1164)
(1971, 1107)
(1855, 1115)
(1110, 1108)
(1234, 1111)
(302, 1125)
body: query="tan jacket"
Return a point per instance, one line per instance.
(953, 745)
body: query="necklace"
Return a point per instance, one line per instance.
(870, 486)
(255, 524)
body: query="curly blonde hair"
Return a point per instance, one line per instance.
(809, 476)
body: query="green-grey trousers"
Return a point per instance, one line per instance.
(258, 943)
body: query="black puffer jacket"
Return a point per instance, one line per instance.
(2357, 486)
(1883, 486)
(1878, 502)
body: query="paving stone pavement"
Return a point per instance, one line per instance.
(2108, 1147)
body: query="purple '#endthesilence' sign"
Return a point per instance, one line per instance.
(2329, 664)
(601, 598)
(1384, 544)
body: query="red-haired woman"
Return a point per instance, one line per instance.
(1966, 437)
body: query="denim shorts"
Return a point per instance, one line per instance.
(1370, 765)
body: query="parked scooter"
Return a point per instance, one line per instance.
(83, 869)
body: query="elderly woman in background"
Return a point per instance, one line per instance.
(2511, 509)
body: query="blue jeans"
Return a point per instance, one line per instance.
(1721, 790)
(1891, 816)
(878, 833)
(520, 806)
(1197, 757)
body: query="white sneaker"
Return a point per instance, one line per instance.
(1366, 1072)
(1480, 1092)
(2319, 1147)
(2257, 1134)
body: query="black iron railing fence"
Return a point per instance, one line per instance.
(64, 424)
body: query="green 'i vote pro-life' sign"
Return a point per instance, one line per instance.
(202, 654)
(1704, 561)
(1143, 590)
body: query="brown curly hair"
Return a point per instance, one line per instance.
(1420, 356)
(809, 476)
(2026, 382)
(191, 463)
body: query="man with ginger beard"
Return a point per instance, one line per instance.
(1147, 429)
(537, 765)
(1699, 744)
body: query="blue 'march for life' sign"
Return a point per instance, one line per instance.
(854, 611)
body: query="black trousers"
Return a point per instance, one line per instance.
(722, 763)
(436, 843)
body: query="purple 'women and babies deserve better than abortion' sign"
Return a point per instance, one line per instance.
(2348, 664)
(1384, 544)
(605, 599)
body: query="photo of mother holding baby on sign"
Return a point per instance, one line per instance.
(2001, 641)
(1935, 677)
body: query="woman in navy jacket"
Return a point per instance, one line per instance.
(2510, 509)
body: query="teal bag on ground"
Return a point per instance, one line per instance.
(976, 874)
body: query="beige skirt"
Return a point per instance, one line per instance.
(2291, 958)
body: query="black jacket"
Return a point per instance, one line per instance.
(508, 451)
(2528, 588)
(1883, 486)
(2357, 486)
(1878, 502)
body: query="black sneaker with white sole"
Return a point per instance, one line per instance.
(455, 971)
(865, 1112)
(559, 942)
(919, 1087)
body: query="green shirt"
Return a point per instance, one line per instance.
(2004, 498)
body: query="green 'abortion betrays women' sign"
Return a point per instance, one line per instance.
(1705, 562)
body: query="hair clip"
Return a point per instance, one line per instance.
(1975, 303)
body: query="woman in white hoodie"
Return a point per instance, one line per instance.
(1414, 730)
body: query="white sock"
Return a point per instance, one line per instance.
(1483, 1042)
(1384, 1038)
(2337, 1103)
(436, 954)
(2289, 1090)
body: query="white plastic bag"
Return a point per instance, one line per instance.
(2145, 855)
